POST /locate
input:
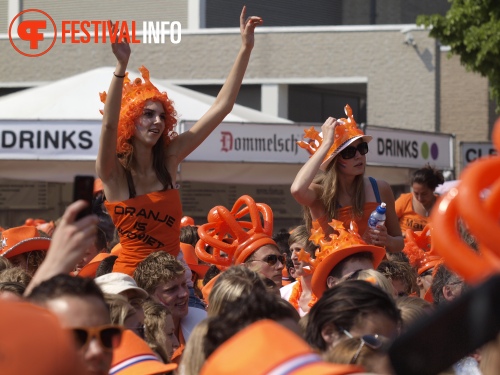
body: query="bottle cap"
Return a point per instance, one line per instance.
(381, 208)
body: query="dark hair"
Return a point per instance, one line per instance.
(210, 274)
(106, 266)
(281, 239)
(13, 287)
(442, 277)
(339, 267)
(343, 305)
(189, 235)
(105, 223)
(240, 313)
(428, 176)
(65, 285)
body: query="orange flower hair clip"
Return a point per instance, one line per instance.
(478, 212)
(345, 134)
(226, 233)
(134, 95)
(419, 250)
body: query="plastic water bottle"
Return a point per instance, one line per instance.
(377, 217)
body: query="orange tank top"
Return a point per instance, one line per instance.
(145, 224)
(346, 215)
(409, 219)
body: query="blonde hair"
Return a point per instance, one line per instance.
(158, 267)
(377, 279)
(345, 351)
(329, 183)
(5, 264)
(412, 309)
(193, 357)
(155, 316)
(119, 308)
(16, 275)
(236, 281)
(329, 193)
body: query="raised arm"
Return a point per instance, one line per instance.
(303, 189)
(68, 244)
(188, 141)
(107, 164)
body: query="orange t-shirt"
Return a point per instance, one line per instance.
(409, 219)
(145, 224)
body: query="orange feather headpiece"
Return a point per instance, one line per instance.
(480, 214)
(419, 250)
(345, 134)
(226, 233)
(334, 249)
(134, 96)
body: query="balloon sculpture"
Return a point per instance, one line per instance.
(229, 235)
(480, 216)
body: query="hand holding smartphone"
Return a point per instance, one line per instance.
(83, 188)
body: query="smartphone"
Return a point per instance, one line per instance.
(454, 331)
(83, 188)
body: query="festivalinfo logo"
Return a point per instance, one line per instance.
(34, 32)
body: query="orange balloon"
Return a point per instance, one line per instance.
(459, 257)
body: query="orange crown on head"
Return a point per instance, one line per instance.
(419, 250)
(334, 249)
(226, 233)
(336, 242)
(343, 134)
(134, 95)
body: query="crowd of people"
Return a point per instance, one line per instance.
(136, 288)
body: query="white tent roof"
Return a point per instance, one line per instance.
(77, 98)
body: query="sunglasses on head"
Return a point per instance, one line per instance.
(272, 259)
(109, 336)
(350, 152)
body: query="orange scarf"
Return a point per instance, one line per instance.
(297, 292)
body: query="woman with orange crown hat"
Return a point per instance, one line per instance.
(343, 192)
(139, 153)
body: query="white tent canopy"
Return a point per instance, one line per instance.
(77, 98)
(72, 104)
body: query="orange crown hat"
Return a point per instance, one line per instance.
(344, 135)
(134, 95)
(33, 342)
(19, 240)
(238, 239)
(418, 248)
(479, 215)
(193, 261)
(292, 356)
(335, 249)
(134, 356)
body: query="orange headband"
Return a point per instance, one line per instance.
(238, 239)
(134, 96)
(479, 214)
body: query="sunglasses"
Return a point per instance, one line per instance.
(350, 152)
(369, 340)
(109, 336)
(272, 259)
